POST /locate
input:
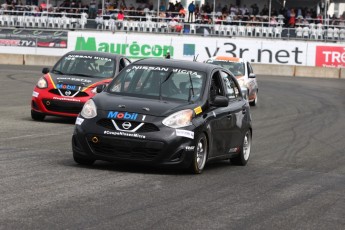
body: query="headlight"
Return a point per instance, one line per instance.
(42, 83)
(89, 109)
(179, 119)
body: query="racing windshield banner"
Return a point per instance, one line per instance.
(33, 38)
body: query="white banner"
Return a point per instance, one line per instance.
(138, 45)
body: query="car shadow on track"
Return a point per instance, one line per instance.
(147, 169)
(56, 120)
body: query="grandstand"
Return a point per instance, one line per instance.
(290, 19)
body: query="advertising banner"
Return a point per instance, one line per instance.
(33, 38)
(141, 46)
(330, 56)
(144, 45)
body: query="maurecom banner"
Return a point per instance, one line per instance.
(33, 38)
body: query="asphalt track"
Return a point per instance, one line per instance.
(295, 178)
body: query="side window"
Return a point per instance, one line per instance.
(126, 61)
(122, 64)
(216, 86)
(250, 69)
(232, 91)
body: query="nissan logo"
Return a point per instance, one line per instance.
(67, 93)
(126, 125)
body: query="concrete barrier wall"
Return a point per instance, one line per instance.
(40, 60)
(259, 69)
(342, 73)
(11, 59)
(320, 72)
(280, 70)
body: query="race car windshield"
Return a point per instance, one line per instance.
(159, 82)
(84, 65)
(237, 68)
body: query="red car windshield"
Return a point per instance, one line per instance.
(85, 65)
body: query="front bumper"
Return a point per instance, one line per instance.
(161, 147)
(51, 104)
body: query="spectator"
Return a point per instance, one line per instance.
(162, 6)
(255, 9)
(292, 19)
(191, 10)
(92, 9)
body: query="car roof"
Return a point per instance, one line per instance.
(175, 63)
(95, 53)
(227, 58)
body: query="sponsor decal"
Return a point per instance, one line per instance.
(133, 50)
(198, 110)
(189, 148)
(233, 150)
(79, 121)
(135, 135)
(74, 56)
(122, 115)
(150, 68)
(184, 133)
(166, 69)
(74, 79)
(35, 94)
(66, 99)
(330, 56)
(67, 87)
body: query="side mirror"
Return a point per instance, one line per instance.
(100, 88)
(220, 101)
(252, 75)
(45, 70)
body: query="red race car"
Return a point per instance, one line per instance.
(74, 79)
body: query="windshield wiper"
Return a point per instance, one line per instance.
(161, 83)
(191, 89)
(58, 72)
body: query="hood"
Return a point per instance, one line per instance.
(154, 107)
(72, 81)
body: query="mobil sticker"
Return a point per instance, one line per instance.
(330, 56)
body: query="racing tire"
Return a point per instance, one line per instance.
(82, 160)
(243, 156)
(200, 154)
(37, 116)
(255, 102)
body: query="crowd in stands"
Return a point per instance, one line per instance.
(175, 12)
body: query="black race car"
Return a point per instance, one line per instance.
(166, 112)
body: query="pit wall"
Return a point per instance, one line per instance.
(269, 56)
